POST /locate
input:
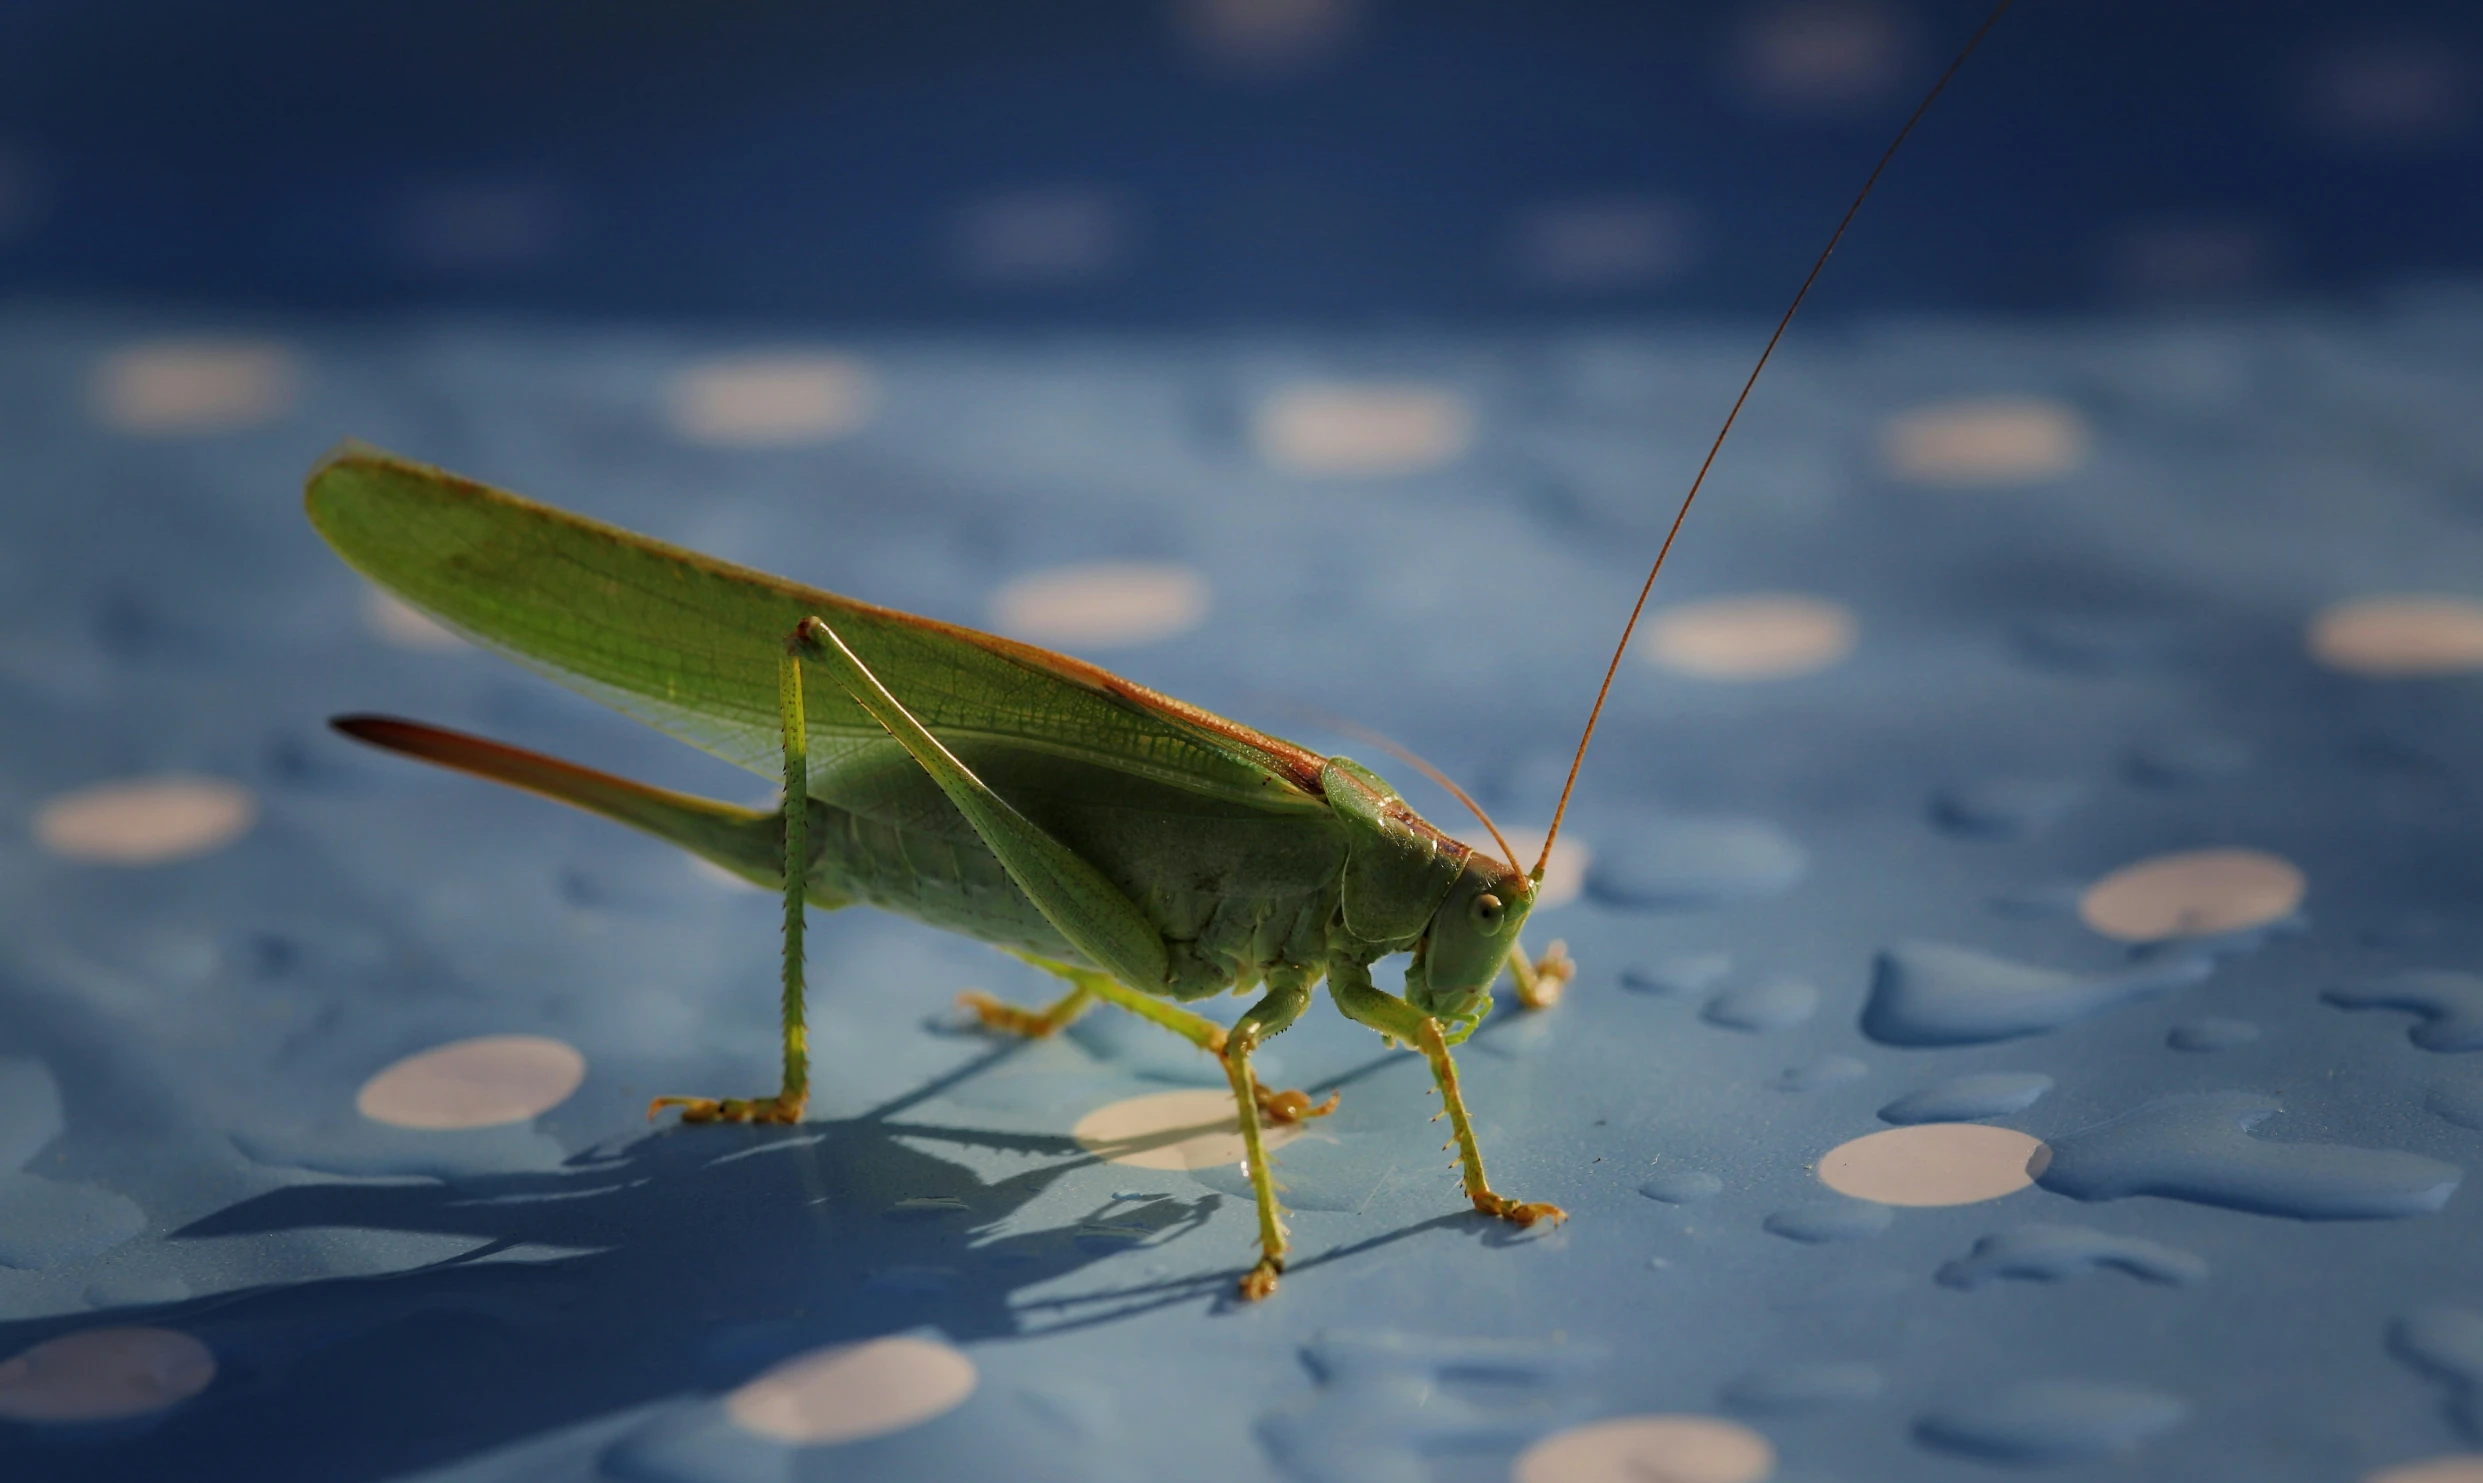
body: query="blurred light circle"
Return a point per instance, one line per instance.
(194, 386)
(2413, 634)
(1367, 430)
(478, 1083)
(1649, 1449)
(400, 623)
(1174, 1130)
(1764, 636)
(146, 821)
(759, 401)
(2195, 893)
(851, 1391)
(1101, 605)
(104, 1375)
(1823, 57)
(1266, 36)
(1933, 1164)
(1986, 441)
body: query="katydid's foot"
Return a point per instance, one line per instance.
(1553, 971)
(1006, 1019)
(1518, 1212)
(1292, 1106)
(732, 1109)
(1260, 1280)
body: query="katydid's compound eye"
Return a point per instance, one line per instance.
(1487, 911)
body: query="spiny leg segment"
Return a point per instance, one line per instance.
(786, 1106)
(1391, 1016)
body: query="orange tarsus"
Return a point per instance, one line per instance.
(1835, 237)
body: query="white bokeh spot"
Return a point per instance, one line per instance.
(194, 386)
(2399, 636)
(146, 821)
(765, 401)
(851, 1391)
(2195, 893)
(1764, 636)
(478, 1083)
(399, 623)
(1649, 1449)
(1174, 1130)
(1986, 441)
(1366, 430)
(1933, 1164)
(1100, 605)
(105, 1374)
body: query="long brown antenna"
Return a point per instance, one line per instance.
(1595, 715)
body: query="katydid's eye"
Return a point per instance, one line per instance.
(1487, 911)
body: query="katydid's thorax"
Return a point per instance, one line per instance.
(1240, 889)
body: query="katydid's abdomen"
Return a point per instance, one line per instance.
(1234, 890)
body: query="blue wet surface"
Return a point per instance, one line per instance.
(2259, 1262)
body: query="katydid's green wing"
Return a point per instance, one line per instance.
(689, 644)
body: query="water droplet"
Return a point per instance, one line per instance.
(1967, 1098)
(1822, 1221)
(1689, 864)
(2056, 1253)
(2199, 1148)
(1770, 1004)
(1682, 1186)
(2055, 1421)
(2004, 807)
(2201, 1037)
(1822, 1074)
(1684, 973)
(2449, 1004)
(1802, 1386)
(1936, 993)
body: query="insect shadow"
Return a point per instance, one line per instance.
(679, 1265)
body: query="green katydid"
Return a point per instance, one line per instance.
(1144, 850)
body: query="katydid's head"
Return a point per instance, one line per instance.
(1469, 939)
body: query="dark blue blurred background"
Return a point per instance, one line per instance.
(1204, 161)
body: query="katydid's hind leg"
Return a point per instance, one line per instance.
(1033, 1024)
(787, 1105)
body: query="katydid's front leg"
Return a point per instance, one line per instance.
(786, 1106)
(1350, 985)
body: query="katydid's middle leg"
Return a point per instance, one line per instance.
(786, 1106)
(1281, 1007)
